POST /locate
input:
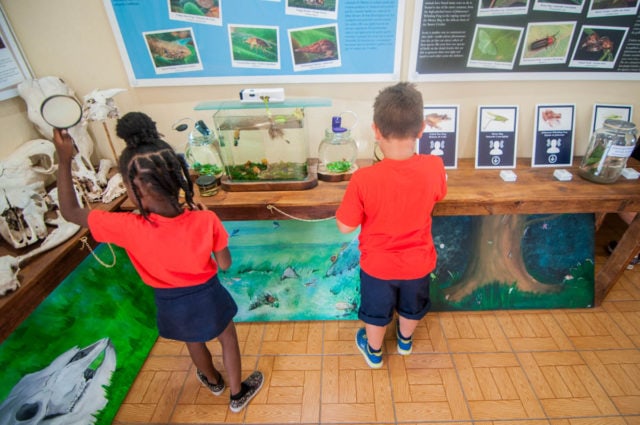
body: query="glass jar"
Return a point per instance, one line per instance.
(207, 185)
(338, 150)
(608, 151)
(203, 152)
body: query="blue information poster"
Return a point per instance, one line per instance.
(190, 42)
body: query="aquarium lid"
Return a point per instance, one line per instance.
(302, 102)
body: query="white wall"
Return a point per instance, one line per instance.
(73, 40)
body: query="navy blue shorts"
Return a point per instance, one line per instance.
(380, 298)
(195, 313)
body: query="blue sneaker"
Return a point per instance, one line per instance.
(374, 360)
(405, 345)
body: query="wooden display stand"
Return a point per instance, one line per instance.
(471, 191)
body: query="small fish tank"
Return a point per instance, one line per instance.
(264, 146)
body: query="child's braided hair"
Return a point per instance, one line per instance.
(152, 160)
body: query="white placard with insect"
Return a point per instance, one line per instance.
(440, 135)
(603, 112)
(553, 135)
(497, 136)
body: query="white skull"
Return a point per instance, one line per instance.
(99, 105)
(9, 268)
(84, 176)
(115, 188)
(34, 92)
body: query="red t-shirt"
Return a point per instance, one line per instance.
(166, 252)
(392, 202)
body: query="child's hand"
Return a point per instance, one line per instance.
(64, 145)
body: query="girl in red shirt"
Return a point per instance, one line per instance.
(170, 245)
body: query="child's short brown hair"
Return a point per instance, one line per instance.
(398, 111)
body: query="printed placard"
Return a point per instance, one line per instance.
(602, 112)
(497, 138)
(553, 135)
(440, 135)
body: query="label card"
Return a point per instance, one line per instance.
(553, 135)
(440, 135)
(496, 137)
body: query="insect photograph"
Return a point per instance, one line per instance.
(549, 41)
(314, 44)
(254, 44)
(600, 44)
(495, 44)
(210, 8)
(169, 48)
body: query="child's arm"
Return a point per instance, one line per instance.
(71, 210)
(344, 228)
(223, 258)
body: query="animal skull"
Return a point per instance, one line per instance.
(22, 218)
(99, 105)
(34, 92)
(115, 188)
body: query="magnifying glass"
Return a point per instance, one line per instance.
(61, 111)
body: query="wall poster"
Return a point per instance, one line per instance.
(189, 42)
(525, 40)
(14, 68)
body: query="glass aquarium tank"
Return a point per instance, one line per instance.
(265, 144)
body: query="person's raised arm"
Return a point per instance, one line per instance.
(69, 206)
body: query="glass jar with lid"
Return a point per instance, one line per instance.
(202, 151)
(337, 153)
(609, 148)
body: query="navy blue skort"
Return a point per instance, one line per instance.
(194, 313)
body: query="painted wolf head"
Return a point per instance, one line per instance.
(71, 390)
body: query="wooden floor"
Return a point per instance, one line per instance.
(540, 367)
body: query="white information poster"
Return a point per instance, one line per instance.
(13, 67)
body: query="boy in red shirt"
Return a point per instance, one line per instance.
(392, 202)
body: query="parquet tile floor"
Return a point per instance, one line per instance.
(516, 367)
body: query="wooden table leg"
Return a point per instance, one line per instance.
(628, 246)
(599, 219)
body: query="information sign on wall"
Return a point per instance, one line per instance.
(189, 42)
(525, 39)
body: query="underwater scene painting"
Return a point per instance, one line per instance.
(292, 270)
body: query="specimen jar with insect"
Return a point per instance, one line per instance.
(609, 148)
